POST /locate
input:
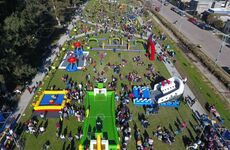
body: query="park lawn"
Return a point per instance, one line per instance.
(166, 116)
(36, 143)
(94, 7)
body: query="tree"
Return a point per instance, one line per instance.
(23, 72)
(211, 18)
(13, 27)
(21, 28)
(219, 24)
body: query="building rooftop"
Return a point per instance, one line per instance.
(222, 11)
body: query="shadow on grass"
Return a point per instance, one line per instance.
(186, 140)
(192, 126)
(190, 134)
(177, 125)
(178, 120)
(65, 131)
(72, 145)
(63, 147)
(171, 128)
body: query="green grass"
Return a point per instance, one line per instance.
(165, 117)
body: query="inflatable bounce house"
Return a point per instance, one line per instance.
(74, 60)
(141, 96)
(151, 48)
(166, 93)
(51, 101)
(100, 131)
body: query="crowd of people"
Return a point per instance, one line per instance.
(9, 139)
(33, 126)
(76, 92)
(164, 135)
(123, 116)
(143, 141)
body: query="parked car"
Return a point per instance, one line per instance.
(173, 8)
(227, 69)
(204, 26)
(181, 13)
(166, 3)
(192, 20)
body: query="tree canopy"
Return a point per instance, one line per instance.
(22, 25)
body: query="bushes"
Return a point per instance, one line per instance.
(212, 67)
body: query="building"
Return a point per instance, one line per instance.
(199, 6)
(112, 1)
(220, 11)
(227, 27)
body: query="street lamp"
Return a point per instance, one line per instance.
(225, 36)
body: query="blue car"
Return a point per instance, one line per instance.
(204, 26)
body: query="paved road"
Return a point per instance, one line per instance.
(209, 42)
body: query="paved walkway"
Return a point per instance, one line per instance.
(187, 92)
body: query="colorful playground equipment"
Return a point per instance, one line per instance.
(74, 60)
(72, 66)
(51, 101)
(73, 57)
(142, 96)
(166, 93)
(100, 132)
(151, 48)
(119, 43)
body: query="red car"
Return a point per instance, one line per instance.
(193, 20)
(157, 9)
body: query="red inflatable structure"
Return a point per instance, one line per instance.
(151, 48)
(77, 45)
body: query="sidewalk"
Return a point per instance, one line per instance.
(187, 91)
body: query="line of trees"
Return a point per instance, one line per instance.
(23, 24)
